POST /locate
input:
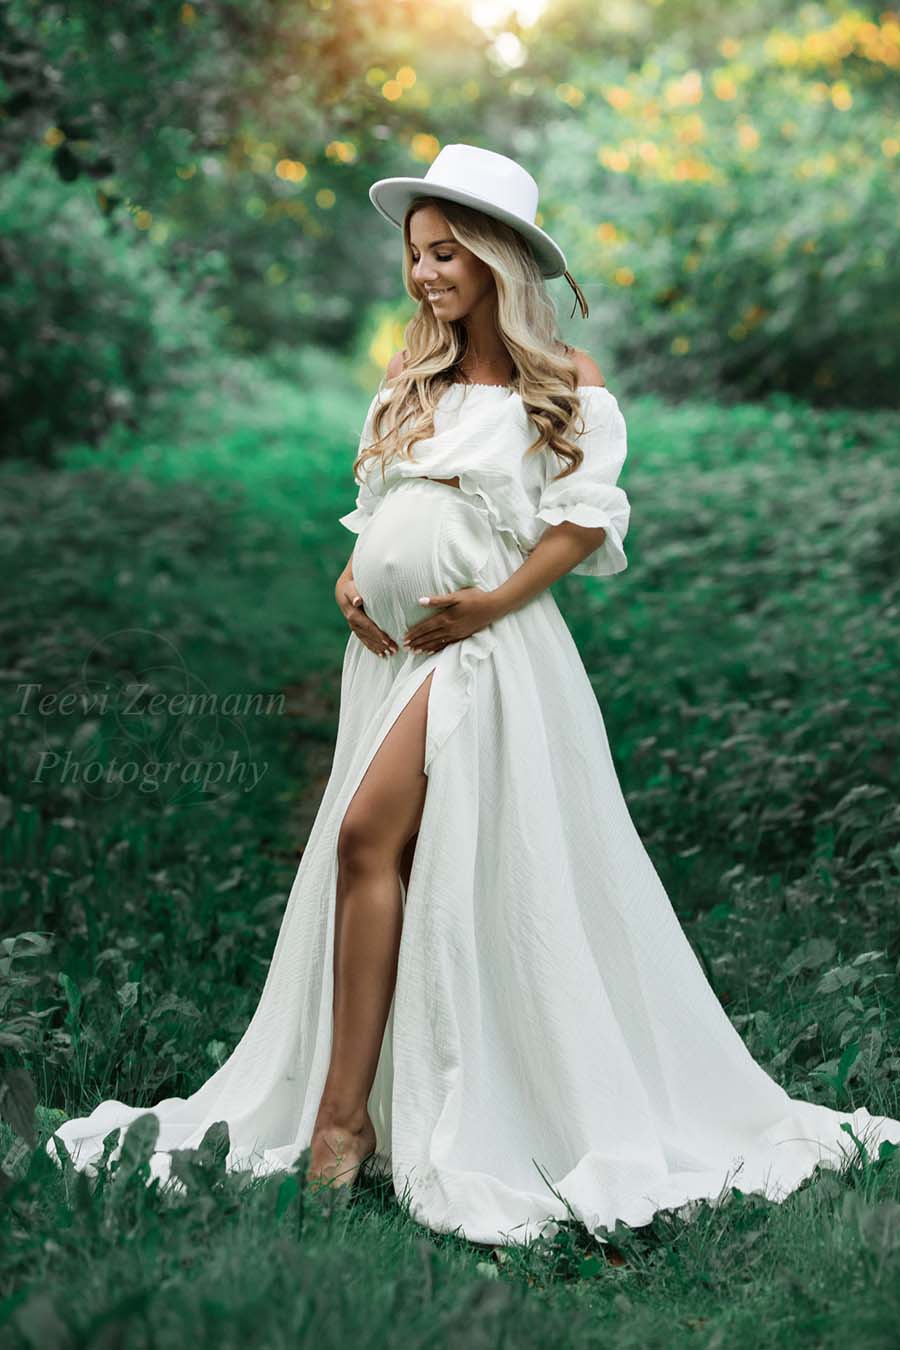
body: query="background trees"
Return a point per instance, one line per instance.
(723, 184)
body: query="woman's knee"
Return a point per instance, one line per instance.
(363, 847)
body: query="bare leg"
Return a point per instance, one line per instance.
(379, 824)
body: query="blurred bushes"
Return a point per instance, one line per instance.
(93, 329)
(723, 187)
(746, 660)
(733, 224)
(768, 281)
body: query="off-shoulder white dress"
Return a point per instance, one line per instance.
(553, 1047)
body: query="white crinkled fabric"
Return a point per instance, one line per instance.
(481, 435)
(553, 1047)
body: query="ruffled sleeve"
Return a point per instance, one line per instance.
(589, 496)
(356, 519)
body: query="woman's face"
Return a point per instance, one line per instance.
(441, 264)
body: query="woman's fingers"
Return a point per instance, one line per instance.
(365, 628)
(390, 646)
(375, 638)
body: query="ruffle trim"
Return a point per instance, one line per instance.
(508, 508)
(356, 520)
(509, 512)
(609, 558)
(453, 687)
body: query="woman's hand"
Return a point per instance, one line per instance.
(462, 613)
(350, 603)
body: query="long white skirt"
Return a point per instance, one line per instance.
(553, 1047)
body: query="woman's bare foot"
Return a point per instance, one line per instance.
(338, 1148)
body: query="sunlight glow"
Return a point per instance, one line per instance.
(508, 51)
(493, 14)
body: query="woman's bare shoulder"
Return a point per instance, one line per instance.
(588, 370)
(396, 364)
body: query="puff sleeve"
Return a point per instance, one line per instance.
(356, 519)
(589, 496)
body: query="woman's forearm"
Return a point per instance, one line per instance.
(559, 549)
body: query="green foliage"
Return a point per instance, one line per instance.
(229, 1259)
(185, 113)
(196, 547)
(766, 708)
(103, 79)
(22, 1028)
(750, 524)
(733, 216)
(94, 329)
(722, 182)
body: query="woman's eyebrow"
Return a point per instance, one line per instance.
(435, 242)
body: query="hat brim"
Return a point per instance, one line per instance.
(391, 197)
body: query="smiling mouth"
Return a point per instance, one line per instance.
(438, 295)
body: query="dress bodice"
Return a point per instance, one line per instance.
(481, 433)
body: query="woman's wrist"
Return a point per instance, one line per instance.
(559, 549)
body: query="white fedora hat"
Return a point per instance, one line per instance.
(492, 183)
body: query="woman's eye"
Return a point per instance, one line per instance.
(440, 257)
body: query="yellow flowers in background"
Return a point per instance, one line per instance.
(388, 338)
(695, 159)
(689, 129)
(617, 161)
(851, 35)
(618, 98)
(748, 136)
(606, 232)
(569, 93)
(688, 89)
(291, 170)
(424, 147)
(724, 86)
(342, 152)
(649, 98)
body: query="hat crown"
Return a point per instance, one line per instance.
(495, 178)
(484, 180)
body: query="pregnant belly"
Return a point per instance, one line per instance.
(423, 539)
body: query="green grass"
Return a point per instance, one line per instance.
(744, 664)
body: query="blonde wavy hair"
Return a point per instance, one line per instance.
(545, 377)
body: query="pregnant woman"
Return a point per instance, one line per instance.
(480, 984)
